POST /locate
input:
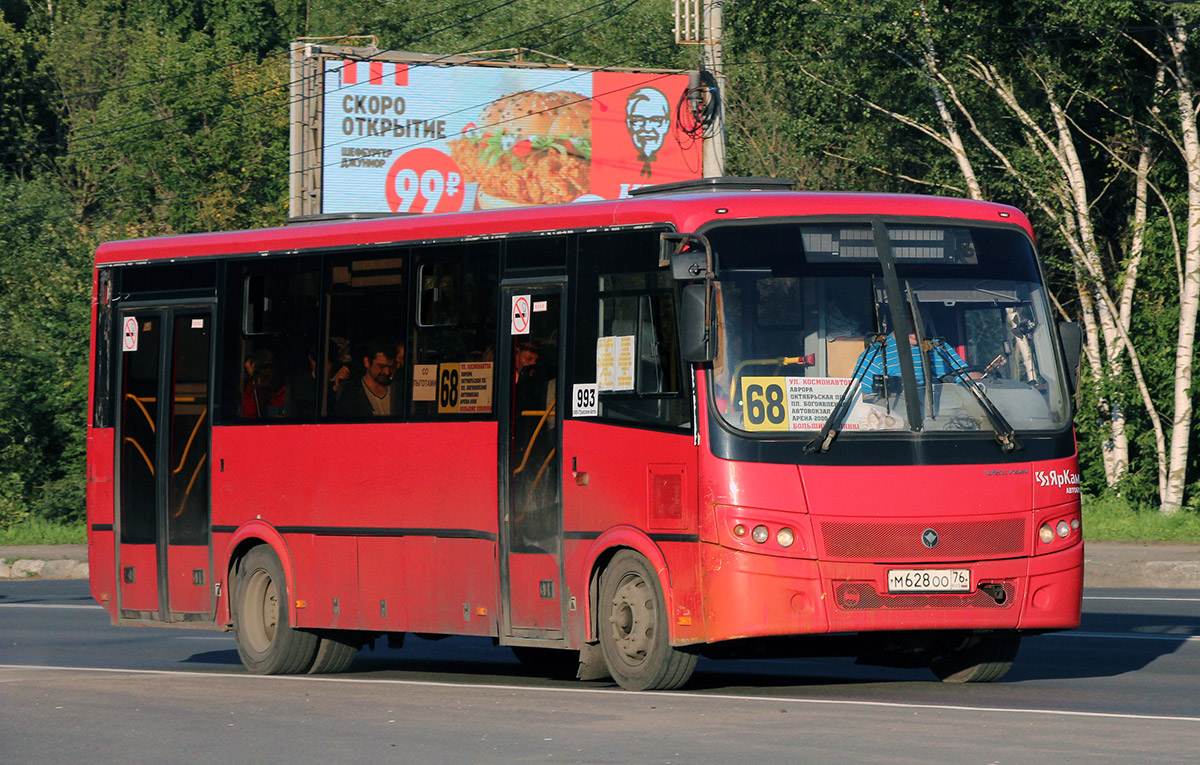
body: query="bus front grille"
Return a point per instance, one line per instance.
(881, 541)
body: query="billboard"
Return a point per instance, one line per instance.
(403, 137)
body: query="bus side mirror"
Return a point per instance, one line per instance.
(1071, 337)
(688, 255)
(694, 332)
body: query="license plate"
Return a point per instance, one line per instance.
(929, 580)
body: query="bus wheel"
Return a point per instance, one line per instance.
(980, 657)
(335, 653)
(633, 628)
(558, 663)
(267, 643)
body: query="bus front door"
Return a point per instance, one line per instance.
(531, 517)
(164, 561)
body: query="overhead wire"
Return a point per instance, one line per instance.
(215, 67)
(814, 13)
(223, 102)
(434, 62)
(230, 100)
(373, 56)
(543, 43)
(703, 121)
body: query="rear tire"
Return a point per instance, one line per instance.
(632, 621)
(980, 657)
(335, 653)
(266, 640)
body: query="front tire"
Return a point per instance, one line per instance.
(980, 657)
(266, 641)
(634, 636)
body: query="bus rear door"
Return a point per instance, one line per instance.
(164, 562)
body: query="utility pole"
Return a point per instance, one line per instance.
(304, 140)
(714, 145)
(698, 22)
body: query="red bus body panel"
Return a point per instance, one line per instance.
(853, 524)
(365, 510)
(102, 570)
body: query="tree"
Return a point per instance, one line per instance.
(1027, 117)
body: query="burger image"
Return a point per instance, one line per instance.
(528, 148)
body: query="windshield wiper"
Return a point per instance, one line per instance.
(833, 423)
(1005, 433)
(918, 330)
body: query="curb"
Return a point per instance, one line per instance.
(29, 568)
(1106, 564)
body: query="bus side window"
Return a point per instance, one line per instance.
(625, 331)
(271, 317)
(451, 350)
(362, 374)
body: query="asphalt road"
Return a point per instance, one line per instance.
(1124, 687)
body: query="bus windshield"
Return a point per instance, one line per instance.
(813, 332)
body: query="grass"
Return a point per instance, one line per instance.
(1112, 519)
(36, 531)
(1106, 519)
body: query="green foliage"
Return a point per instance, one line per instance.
(125, 119)
(39, 532)
(1111, 518)
(23, 114)
(619, 33)
(197, 142)
(44, 287)
(849, 96)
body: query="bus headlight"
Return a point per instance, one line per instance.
(1063, 529)
(785, 537)
(760, 534)
(1046, 534)
(740, 530)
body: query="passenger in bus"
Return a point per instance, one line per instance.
(340, 358)
(398, 373)
(533, 442)
(264, 393)
(534, 380)
(527, 355)
(303, 384)
(372, 396)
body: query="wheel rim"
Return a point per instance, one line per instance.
(632, 620)
(262, 611)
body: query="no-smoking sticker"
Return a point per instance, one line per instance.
(520, 315)
(129, 334)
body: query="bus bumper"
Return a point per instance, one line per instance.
(753, 595)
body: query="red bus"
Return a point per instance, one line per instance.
(717, 418)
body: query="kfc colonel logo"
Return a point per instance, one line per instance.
(647, 117)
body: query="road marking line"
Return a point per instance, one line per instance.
(1126, 636)
(44, 605)
(723, 697)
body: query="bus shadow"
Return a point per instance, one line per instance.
(1081, 654)
(223, 658)
(1105, 645)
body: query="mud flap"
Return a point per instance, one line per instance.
(591, 663)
